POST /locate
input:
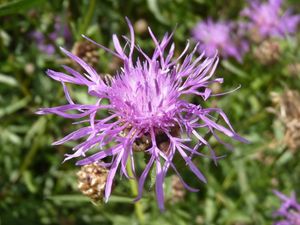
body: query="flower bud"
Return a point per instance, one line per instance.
(86, 51)
(92, 180)
(268, 52)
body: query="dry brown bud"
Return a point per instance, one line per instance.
(87, 51)
(29, 68)
(294, 69)
(287, 108)
(268, 52)
(140, 26)
(92, 180)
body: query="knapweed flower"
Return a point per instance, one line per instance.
(289, 211)
(219, 37)
(268, 20)
(145, 111)
(45, 43)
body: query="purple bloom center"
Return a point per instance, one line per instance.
(146, 96)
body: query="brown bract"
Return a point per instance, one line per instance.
(87, 51)
(288, 111)
(268, 52)
(92, 180)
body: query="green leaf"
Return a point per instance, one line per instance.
(73, 198)
(82, 198)
(18, 6)
(210, 209)
(233, 69)
(14, 107)
(120, 199)
(88, 18)
(10, 136)
(154, 8)
(6, 79)
(27, 176)
(37, 128)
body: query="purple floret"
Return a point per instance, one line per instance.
(144, 98)
(219, 37)
(289, 211)
(45, 43)
(267, 18)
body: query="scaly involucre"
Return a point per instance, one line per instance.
(144, 100)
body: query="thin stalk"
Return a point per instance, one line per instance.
(138, 207)
(88, 18)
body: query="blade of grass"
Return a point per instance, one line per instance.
(18, 6)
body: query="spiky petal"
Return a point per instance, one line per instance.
(289, 211)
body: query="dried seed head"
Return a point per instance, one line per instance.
(29, 68)
(292, 134)
(294, 69)
(86, 51)
(287, 107)
(178, 190)
(268, 52)
(141, 26)
(288, 104)
(92, 180)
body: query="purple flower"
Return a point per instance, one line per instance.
(219, 36)
(289, 210)
(41, 42)
(143, 101)
(268, 19)
(45, 43)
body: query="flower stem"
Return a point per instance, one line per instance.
(138, 207)
(88, 18)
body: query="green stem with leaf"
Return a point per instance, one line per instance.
(138, 207)
(88, 18)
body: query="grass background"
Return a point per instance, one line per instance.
(36, 188)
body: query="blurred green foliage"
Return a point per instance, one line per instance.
(36, 188)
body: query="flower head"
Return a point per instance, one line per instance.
(218, 37)
(268, 20)
(144, 104)
(289, 210)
